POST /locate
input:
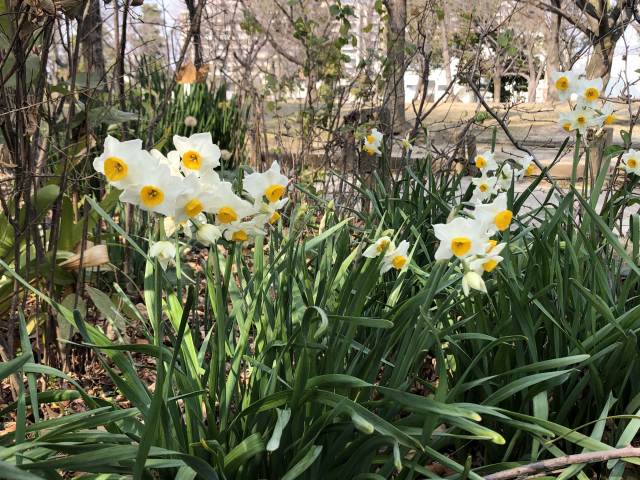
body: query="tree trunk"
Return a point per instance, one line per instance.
(497, 86)
(444, 44)
(195, 28)
(91, 40)
(552, 61)
(395, 52)
(532, 86)
(602, 60)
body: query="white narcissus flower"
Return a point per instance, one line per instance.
(564, 121)
(271, 184)
(406, 143)
(192, 200)
(589, 91)
(201, 217)
(170, 226)
(632, 161)
(210, 180)
(566, 83)
(228, 206)
(375, 249)
(485, 186)
(461, 237)
(198, 153)
(472, 280)
(155, 191)
(208, 234)
(581, 119)
(395, 258)
(270, 210)
(486, 162)
(527, 166)
(494, 214)
(505, 177)
(372, 142)
(119, 161)
(173, 161)
(607, 116)
(489, 260)
(165, 252)
(241, 231)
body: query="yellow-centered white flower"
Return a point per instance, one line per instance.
(581, 119)
(228, 206)
(270, 210)
(565, 122)
(494, 214)
(589, 91)
(173, 164)
(486, 162)
(197, 153)
(193, 200)
(607, 116)
(372, 142)
(566, 83)
(208, 234)
(210, 180)
(155, 192)
(632, 161)
(271, 184)
(375, 249)
(461, 237)
(505, 177)
(119, 161)
(165, 252)
(527, 166)
(406, 143)
(485, 186)
(471, 280)
(241, 231)
(396, 258)
(489, 260)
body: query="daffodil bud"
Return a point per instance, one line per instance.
(473, 280)
(208, 234)
(361, 424)
(165, 252)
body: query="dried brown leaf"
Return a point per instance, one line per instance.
(187, 74)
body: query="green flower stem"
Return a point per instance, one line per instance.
(163, 234)
(196, 223)
(576, 158)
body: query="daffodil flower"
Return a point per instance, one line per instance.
(119, 161)
(208, 234)
(395, 258)
(485, 186)
(228, 206)
(494, 214)
(473, 280)
(192, 200)
(461, 237)
(372, 142)
(210, 180)
(486, 162)
(589, 91)
(607, 116)
(375, 249)
(271, 184)
(505, 177)
(632, 161)
(241, 231)
(197, 153)
(489, 260)
(270, 210)
(566, 83)
(155, 191)
(527, 166)
(173, 164)
(165, 252)
(564, 122)
(581, 119)
(406, 143)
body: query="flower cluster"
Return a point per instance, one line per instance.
(394, 257)
(184, 185)
(586, 112)
(503, 175)
(469, 239)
